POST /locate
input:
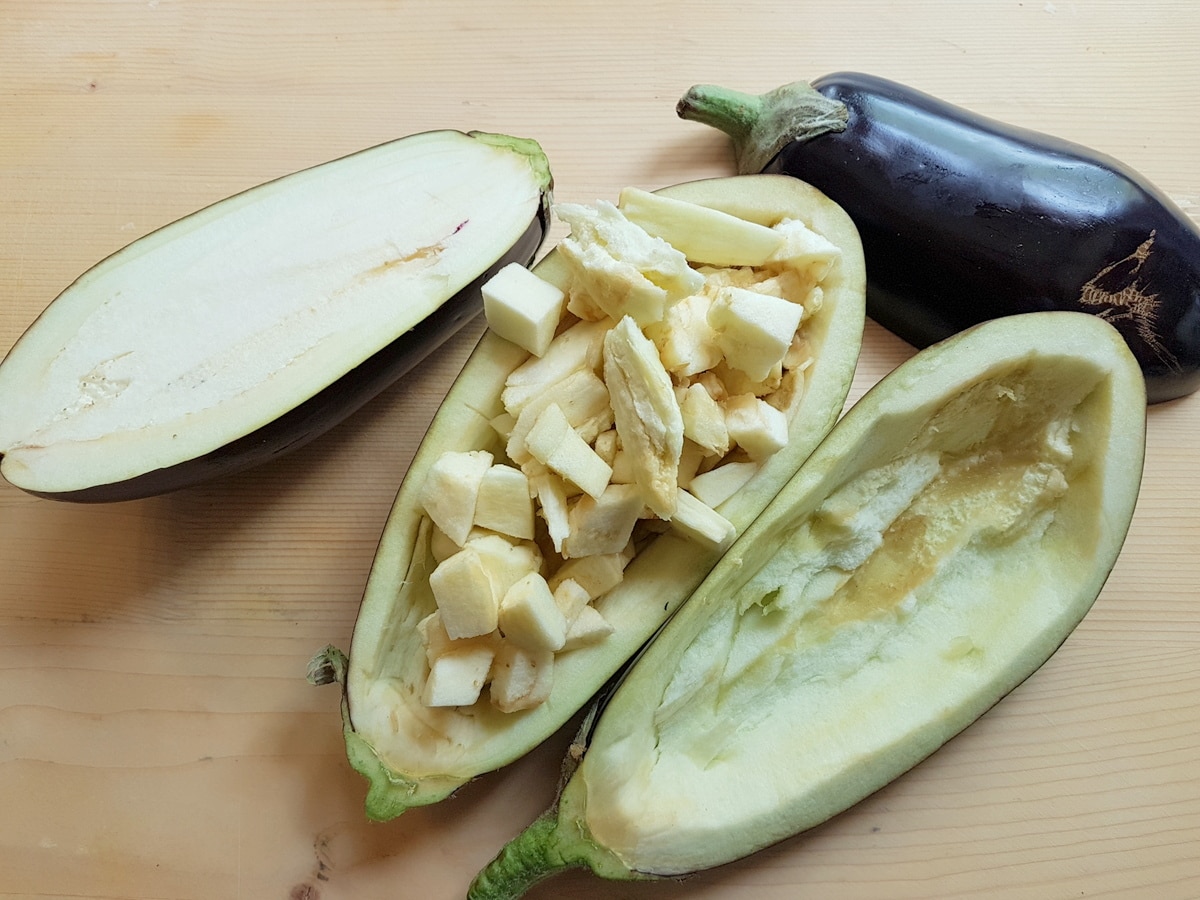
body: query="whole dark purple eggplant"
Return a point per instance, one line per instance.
(965, 219)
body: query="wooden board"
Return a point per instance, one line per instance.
(157, 736)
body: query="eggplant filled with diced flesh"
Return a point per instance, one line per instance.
(640, 396)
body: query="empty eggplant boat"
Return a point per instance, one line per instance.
(934, 551)
(964, 218)
(252, 326)
(655, 426)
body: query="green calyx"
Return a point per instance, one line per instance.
(763, 124)
(556, 841)
(531, 857)
(527, 147)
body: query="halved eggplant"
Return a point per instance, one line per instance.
(254, 325)
(933, 552)
(413, 754)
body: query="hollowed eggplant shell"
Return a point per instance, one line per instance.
(760, 710)
(381, 187)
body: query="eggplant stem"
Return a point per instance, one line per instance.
(529, 858)
(761, 125)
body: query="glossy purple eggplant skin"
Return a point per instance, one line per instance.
(964, 219)
(330, 406)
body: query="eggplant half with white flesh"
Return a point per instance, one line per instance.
(704, 340)
(964, 218)
(253, 325)
(938, 547)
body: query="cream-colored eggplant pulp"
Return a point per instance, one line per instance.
(918, 568)
(217, 324)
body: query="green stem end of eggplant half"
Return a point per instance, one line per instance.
(388, 793)
(539, 164)
(940, 545)
(545, 847)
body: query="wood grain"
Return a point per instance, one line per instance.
(157, 736)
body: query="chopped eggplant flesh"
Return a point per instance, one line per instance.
(664, 369)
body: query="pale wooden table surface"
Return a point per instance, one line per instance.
(157, 736)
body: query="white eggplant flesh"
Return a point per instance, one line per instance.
(255, 324)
